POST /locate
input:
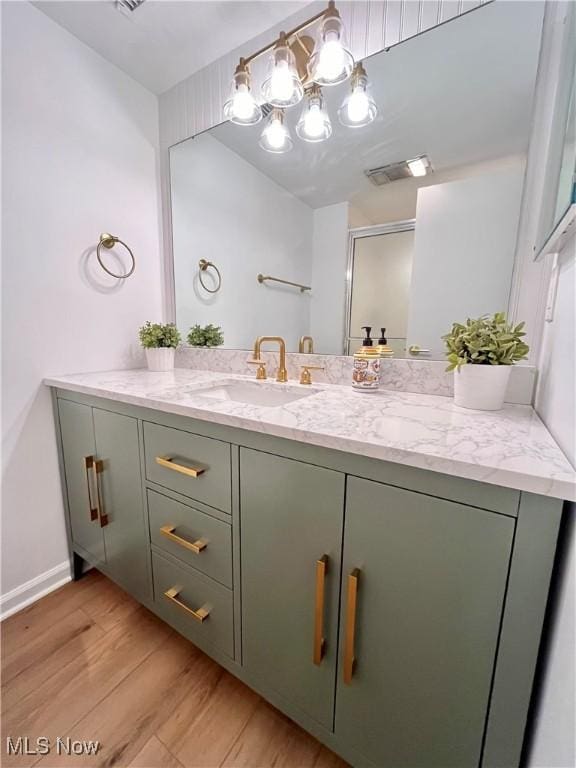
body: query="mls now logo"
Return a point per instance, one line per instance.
(23, 745)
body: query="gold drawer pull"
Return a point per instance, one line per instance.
(194, 546)
(201, 614)
(88, 466)
(319, 640)
(98, 468)
(349, 658)
(168, 463)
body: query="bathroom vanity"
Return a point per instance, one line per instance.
(377, 567)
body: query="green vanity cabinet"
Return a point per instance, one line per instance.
(101, 457)
(79, 452)
(291, 517)
(423, 585)
(395, 613)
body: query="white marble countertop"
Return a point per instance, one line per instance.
(510, 448)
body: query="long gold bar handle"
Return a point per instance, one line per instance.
(88, 465)
(319, 639)
(98, 468)
(194, 546)
(168, 463)
(349, 658)
(201, 614)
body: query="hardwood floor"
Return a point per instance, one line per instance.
(89, 663)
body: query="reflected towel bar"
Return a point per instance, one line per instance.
(262, 278)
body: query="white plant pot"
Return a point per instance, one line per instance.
(482, 387)
(160, 358)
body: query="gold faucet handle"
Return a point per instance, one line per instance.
(261, 370)
(305, 375)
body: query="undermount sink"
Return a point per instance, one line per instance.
(249, 393)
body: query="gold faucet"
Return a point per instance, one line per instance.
(302, 345)
(282, 375)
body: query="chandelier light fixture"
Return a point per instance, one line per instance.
(298, 69)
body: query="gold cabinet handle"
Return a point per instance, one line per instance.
(194, 546)
(98, 468)
(349, 638)
(201, 614)
(168, 463)
(88, 466)
(319, 639)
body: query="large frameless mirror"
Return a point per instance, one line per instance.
(407, 223)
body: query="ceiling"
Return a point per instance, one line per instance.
(163, 42)
(461, 93)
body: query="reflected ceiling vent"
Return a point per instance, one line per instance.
(406, 169)
(128, 6)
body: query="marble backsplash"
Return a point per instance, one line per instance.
(426, 377)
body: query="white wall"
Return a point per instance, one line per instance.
(463, 253)
(79, 154)
(228, 212)
(381, 280)
(397, 201)
(330, 250)
(554, 737)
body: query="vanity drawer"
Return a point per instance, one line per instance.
(193, 604)
(198, 467)
(192, 536)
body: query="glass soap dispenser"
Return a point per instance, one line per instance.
(366, 368)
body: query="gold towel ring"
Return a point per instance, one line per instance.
(109, 241)
(203, 264)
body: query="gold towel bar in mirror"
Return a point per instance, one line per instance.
(109, 241)
(263, 278)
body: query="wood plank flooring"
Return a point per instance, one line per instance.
(88, 662)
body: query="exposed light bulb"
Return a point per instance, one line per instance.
(241, 108)
(243, 103)
(314, 123)
(358, 108)
(276, 137)
(331, 59)
(281, 82)
(417, 167)
(275, 134)
(282, 86)
(331, 62)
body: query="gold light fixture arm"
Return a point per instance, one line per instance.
(300, 28)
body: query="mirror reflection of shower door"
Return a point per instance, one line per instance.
(379, 273)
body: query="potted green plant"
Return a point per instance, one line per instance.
(209, 336)
(160, 342)
(481, 353)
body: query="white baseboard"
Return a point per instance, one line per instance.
(33, 590)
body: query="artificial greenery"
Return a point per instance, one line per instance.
(485, 341)
(158, 335)
(209, 336)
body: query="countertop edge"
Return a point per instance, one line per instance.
(550, 487)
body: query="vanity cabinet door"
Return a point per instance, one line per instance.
(291, 534)
(121, 501)
(423, 585)
(79, 454)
